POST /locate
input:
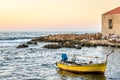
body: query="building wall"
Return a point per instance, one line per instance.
(115, 21)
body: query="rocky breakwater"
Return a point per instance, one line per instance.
(68, 37)
(69, 40)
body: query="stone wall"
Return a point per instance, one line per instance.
(115, 21)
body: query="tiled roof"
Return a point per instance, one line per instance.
(114, 11)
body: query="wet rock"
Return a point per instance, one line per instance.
(114, 46)
(85, 43)
(22, 46)
(52, 46)
(68, 44)
(118, 46)
(29, 42)
(105, 45)
(32, 42)
(78, 47)
(93, 45)
(82, 44)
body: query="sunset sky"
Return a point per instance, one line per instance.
(53, 15)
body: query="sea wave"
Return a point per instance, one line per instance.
(14, 38)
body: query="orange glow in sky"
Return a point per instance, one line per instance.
(53, 15)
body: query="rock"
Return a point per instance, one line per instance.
(93, 45)
(68, 44)
(78, 47)
(35, 43)
(22, 46)
(32, 42)
(52, 46)
(118, 46)
(113, 46)
(39, 39)
(85, 43)
(71, 40)
(68, 37)
(29, 42)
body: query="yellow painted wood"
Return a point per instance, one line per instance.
(84, 68)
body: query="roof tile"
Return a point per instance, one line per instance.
(114, 11)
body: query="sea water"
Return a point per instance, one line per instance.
(38, 63)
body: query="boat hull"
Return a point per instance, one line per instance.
(91, 68)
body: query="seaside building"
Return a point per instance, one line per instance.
(111, 22)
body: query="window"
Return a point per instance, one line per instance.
(110, 25)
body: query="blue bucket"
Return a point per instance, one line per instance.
(64, 57)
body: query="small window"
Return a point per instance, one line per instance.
(110, 25)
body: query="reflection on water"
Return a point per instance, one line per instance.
(71, 76)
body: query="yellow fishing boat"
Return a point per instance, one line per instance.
(81, 68)
(86, 68)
